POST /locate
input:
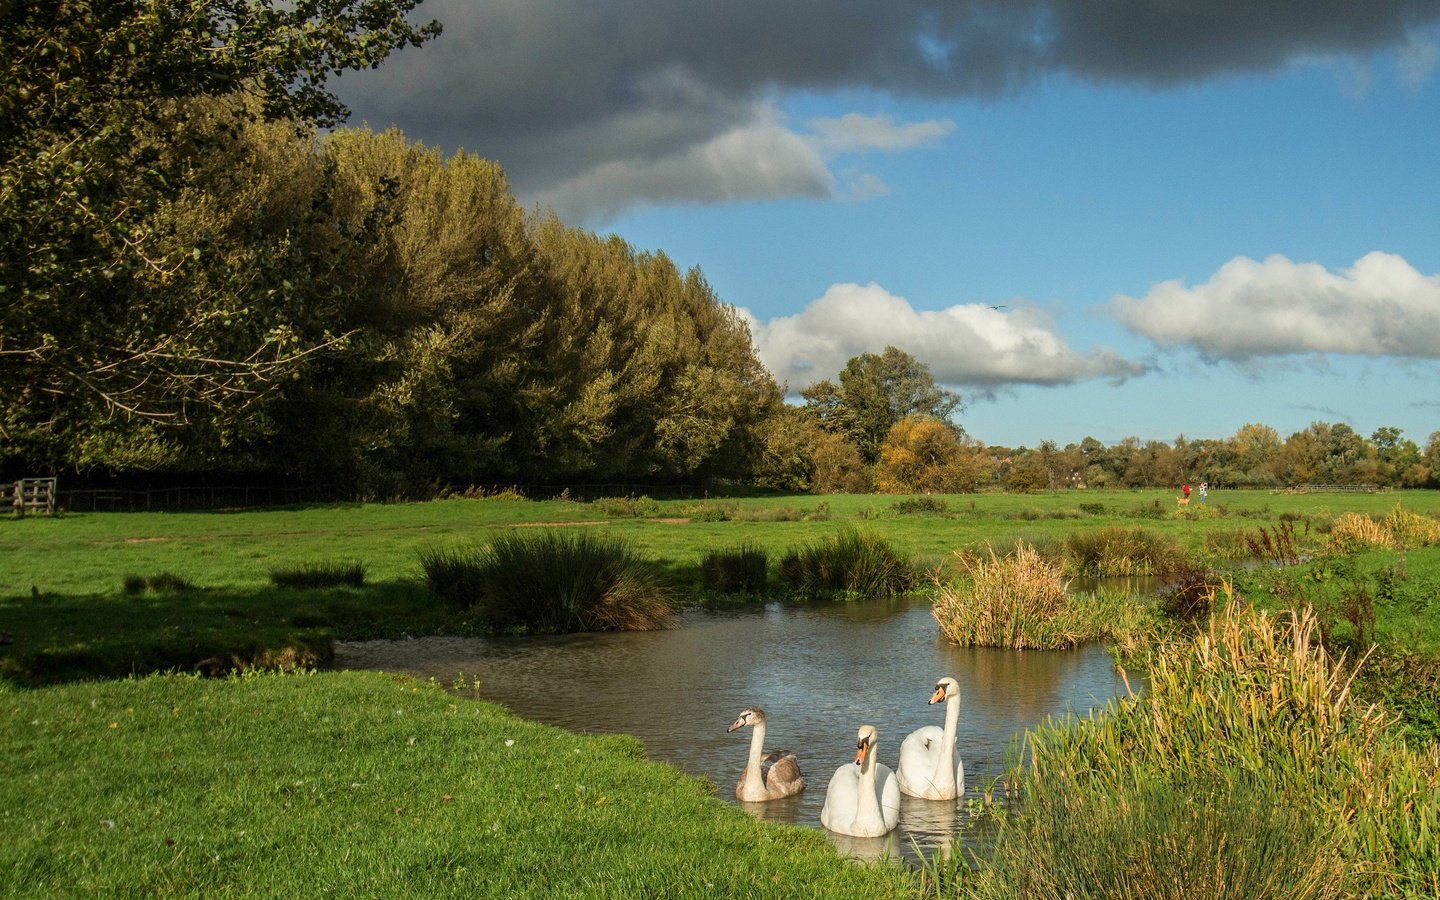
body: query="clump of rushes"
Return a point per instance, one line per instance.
(1410, 530)
(738, 570)
(320, 575)
(1020, 600)
(1160, 839)
(627, 507)
(1118, 550)
(1353, 531)
(164, 583)
(1255, 703)
(852, 562)
(921, 505)
(552, 581)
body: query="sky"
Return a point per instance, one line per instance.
(1103, 218)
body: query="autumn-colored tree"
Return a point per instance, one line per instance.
(922, 454)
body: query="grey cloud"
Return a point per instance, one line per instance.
(556, 89)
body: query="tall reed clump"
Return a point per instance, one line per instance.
(737, 570)
(1278, 546)
(1410, 530)
(1353, 531)
(1255, 705)
(1021, 600)
(1118, 550)
(851, 562)
(552, 581)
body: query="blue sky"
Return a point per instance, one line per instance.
(1187, 225)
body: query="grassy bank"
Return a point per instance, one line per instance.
(353, 784)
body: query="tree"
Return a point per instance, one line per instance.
(105, 317)
(922, 454)
(875, 392)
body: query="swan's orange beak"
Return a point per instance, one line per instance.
(860, 753)
(939, 694)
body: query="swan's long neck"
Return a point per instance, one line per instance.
(752, 766)
(945, 760)
(868, 804)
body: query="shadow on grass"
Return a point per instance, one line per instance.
(56, 637)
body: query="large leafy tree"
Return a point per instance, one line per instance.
(874, 392)
(108, 321)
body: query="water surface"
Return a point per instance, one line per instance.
(819, 672)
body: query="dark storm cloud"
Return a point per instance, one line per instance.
(557, 89)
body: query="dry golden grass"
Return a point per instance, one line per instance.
(1353, 531)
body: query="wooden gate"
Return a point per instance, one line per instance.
(31, 495)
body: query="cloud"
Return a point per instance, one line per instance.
(968, 345)
(854, 132)
(1381, 306)
(565, 93)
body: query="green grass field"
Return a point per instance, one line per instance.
(360, 784)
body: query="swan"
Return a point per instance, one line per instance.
(929, 766)
(863, 799)
(768, 777)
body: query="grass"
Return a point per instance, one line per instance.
(1118, 550)
(552, 580)
(1227, 718)
(365, 785)
(736, 570)
(320, 575)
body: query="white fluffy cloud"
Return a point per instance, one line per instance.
(854, 132)
(967, 345)
(1381, 306)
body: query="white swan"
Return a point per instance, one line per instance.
(929, 766)
(769, 777)
(863, 799)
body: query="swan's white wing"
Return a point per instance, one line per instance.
(889, 787)
(919, 755)
(842, 797)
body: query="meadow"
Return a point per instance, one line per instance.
(120, 781)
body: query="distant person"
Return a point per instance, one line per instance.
(1204, 489)
(1185, 490)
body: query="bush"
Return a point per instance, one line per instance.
(552, 581)
(741, 570)
(921, 505)
(852, 562)
(1409, 530)
(320, 575)
(1353, 532)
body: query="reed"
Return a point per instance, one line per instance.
(737, 570)
(163, 583)
(1411, 530)
(851, 562)
(1352, 532)
(1277, 546)
(551, 580)
(1255, 702)
(1119, 550)
(1160, 839)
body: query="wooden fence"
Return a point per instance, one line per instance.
(1333, 489)
(29, 495)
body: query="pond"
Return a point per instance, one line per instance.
(818, 671)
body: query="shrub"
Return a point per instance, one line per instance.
(741, 570)
(1188, 593)
(921, 505)
(709, 512)
(1277, 546)
(1118, 550)
(851, 562)
(552, 581)
(320, 575)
